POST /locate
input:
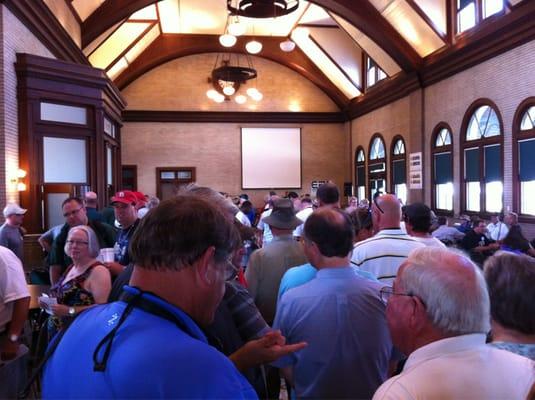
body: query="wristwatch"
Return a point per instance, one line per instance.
(72, 311)
(13, 338)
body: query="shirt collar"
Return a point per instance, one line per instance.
(335, 272)
(392, 231)
(443, 347)
(281, 238)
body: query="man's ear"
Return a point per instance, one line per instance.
(418, 317)
(203, 268)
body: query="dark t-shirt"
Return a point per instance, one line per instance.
(472, 240)
(122, 255)
(105, 235)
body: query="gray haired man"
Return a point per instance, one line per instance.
(438, 313)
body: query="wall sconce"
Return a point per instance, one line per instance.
(17, 181)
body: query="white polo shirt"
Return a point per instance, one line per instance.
(302, 215)
(12, 284)
(461, 367)
(382, 254)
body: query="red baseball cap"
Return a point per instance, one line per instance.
(140, 197)
(124, 196)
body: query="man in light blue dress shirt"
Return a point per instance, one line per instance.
(339, 314)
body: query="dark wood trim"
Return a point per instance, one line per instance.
(358, 164)
(38, 18)
(480, 144)
(169, 47)
(421, 13)
(133, 168)
(519, 135)
(377, 175)
(223, 116)
(384, 92)
(73, 11)
(450, 21)
(335, 26)
(492, 37)
(395, 157)
(359, 87)
(437, 150)
(159, 181)
(131, 45)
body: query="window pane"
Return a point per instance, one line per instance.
(399, 172)
(167, 175)
(63, 113)
(377, 185)
(491, 7)
(483, 123)
(399, 148)
(378, 149)
(444, 196)
(466, 17)
(443, 138)
(473, 191)
(183, 174)
(471, 161)
(109, 166)
(493, 198)
(361, 192)
(53, 211)
(376, 168)
(382, 74)
(493, 163)
(64, 160)
(401, 192)
(527, 194)
(361, 176)
(443, 169)
(526, 166)
(360, 156)
(371, 77)
(528, 120)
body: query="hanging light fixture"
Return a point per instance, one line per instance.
(262, 8)
(226, 78)
(227, 40)
(253, 47)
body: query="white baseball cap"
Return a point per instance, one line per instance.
(13, 208)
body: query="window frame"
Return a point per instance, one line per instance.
(377, 175)
(480, 144)
(478, 16)
(519, 135)
(437, 150)
(397, 157)
(357, 165)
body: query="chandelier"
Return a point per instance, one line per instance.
(262, 8)
(226, 80)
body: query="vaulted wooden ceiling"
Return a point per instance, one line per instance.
(334, 38)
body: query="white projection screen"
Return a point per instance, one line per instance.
(271, 158)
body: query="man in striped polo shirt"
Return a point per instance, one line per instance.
(382, 254)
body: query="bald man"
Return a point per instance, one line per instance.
(382, 254)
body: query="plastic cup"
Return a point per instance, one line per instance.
(107, 254)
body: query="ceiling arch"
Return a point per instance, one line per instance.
(364, 16)
(168, 47)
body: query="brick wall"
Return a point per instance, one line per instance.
(214, 149)
(181, 84)
(15, 38)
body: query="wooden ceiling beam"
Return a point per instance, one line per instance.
(169, 47)
(361, 14)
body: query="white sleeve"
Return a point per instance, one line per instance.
(12, 281)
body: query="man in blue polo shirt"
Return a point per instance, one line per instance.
(150, 343)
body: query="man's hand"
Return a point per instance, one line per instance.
(264, 350)
(8, 349)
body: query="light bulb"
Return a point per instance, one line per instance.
(240, 99)
(253, 47)
(227, 40)
(251, 91)
(236, 28)
(229, 90)
(257, 96)
(211, 94)
(287, 45)
(219, 98)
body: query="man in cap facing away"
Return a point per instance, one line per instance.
(11, 232)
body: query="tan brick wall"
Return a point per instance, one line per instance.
(16, 38)
(65, 17)
(181, 84)
(214, 149)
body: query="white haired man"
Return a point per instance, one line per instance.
(438, 313)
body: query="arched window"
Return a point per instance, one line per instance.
(360, 173)
(442, 175)
(376, 166)
(481, 155)
(523, 155)
(399, 169)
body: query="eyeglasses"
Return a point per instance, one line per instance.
(377, 205)
(77, 242)
(387, 292)
(73, 212)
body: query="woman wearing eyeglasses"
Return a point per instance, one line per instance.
(86, 281)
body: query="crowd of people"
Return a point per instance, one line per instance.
(205, 295)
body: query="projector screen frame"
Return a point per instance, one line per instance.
(300, 129)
